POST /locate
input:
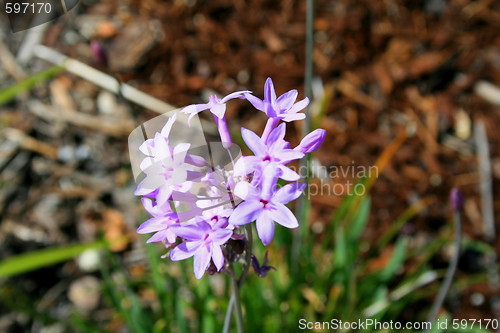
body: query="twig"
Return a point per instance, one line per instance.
(32, 37)
(29, 143)
(114, 127)
(488, 91)
(486, 188)
(9, 61)
(483, 156)
(110, 83)
(102, 80)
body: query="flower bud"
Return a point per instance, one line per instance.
(99, 54)
(311, 141)
(456, 199)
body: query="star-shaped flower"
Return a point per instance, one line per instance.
(266, 205)
(203, 241)
(283, 107)
(276, 151)
(161, 223)
(215, 104)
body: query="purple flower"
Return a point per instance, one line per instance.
(275, 151)
(161, 223)
(266, 205)
(283, 107)
(311, 142)
(216, 105)
(202, 241)
(165, 171)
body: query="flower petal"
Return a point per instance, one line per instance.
(256, 102)
(184, 250)
(201, 261)
(265, 228)
(289, 192)
(236, 94)
(245, 190)
(288, 117)
(218, 110)
(269, 93)
(299, 106)
(281, 214)
(254, 142)
(245, 212)
(288, 174)
(285, 101)
(221, 236)
(165, 131)
(190, 232)
(152, 225)
(149, 184)
(217, 256)
(277, 134)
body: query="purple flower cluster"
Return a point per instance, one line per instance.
(198, 206)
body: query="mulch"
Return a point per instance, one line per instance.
(383, 66)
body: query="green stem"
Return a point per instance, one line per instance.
(235, 290)
(450, 273)
(236, 284)
(302, 204)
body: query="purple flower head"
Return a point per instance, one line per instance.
(202, 241)
(215, 104)
(266, 205)
(161, 223)
(283, 107)
(273, 152)
(311, 142)
(202, 201)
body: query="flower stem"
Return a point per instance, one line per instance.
(450, 273)
(237, 303)
(236, 285)
(225, 136)
(303, 205)
(270, 125)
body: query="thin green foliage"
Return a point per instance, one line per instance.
(9, 93)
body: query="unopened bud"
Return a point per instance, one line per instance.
(456, 199)
(311, 141)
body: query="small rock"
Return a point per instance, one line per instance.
(85, 293)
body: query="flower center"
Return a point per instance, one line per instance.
(167, 171)
(267, 158)
(264, 203)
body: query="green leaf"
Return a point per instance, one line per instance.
(357, 226)
(397, 260)
(340, 260)
(11, 92)
(30, 261)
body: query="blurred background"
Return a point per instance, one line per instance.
(412, 87)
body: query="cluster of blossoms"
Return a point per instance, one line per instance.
(199, 203)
